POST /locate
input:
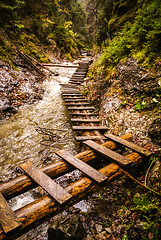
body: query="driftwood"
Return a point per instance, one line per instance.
(27, 59)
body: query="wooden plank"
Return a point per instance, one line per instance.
(75, 100)
(84, 138)
(89, 128)
(119, 159)
(81, 108)
(77, 78)
(83, 114)
(130, 145)
(67, 91)
(8, 218)
(70, 92)
(81, 120)
(79, 74)
(60, 65)
(73, 86)
(76, 104)
(72, 95)
(69, 87)
(54, 189)
(77, 83)
(82, 166)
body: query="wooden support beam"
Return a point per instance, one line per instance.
(60, 65)
(81, 120)
(89, 128)
(132, 146)
(75, 100)
(8, 218)
(82, 166)
(73, 97)
(83, 114)
(117, 158)
(54, 189)
(23, 183)
(72, 94)
(75, 82)
(80, 108)
(69, 86)
(84, 138)
(76, 104)
(30, 214)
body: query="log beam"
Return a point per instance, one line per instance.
(23, 183)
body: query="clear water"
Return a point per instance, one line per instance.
(19, 140)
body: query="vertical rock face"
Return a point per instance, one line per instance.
(69, 227)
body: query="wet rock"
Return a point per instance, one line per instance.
(155, 173)
(69, 227)
(17, 87)
(155, 131)
(98, 228)
(134, 78)
(102, 236)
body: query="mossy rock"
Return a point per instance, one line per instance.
(155, 131)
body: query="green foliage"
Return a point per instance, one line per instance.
(141, 39)
(57, 24)
(151, 213)
(140, 105)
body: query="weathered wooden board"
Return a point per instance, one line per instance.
(81, 108)
(75, 82)
(75, 100)
(130, 145)
(54, 189)
(76, 104)
(68, 85)
(71, 92)
(72, 95)
(76, 78)
(81, 120)
(83, 114)
(73, 86)
(84, 128)
(8, 219)
(116, 157)
(82, 166)
(79, 73)
(84, 138)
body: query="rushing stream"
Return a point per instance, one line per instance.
(20, 142)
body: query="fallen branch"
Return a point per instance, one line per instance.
(144, 186)
(49, 134)
(147, 173)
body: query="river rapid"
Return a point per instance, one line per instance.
(20, 142)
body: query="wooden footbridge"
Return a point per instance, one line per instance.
(98, 145)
